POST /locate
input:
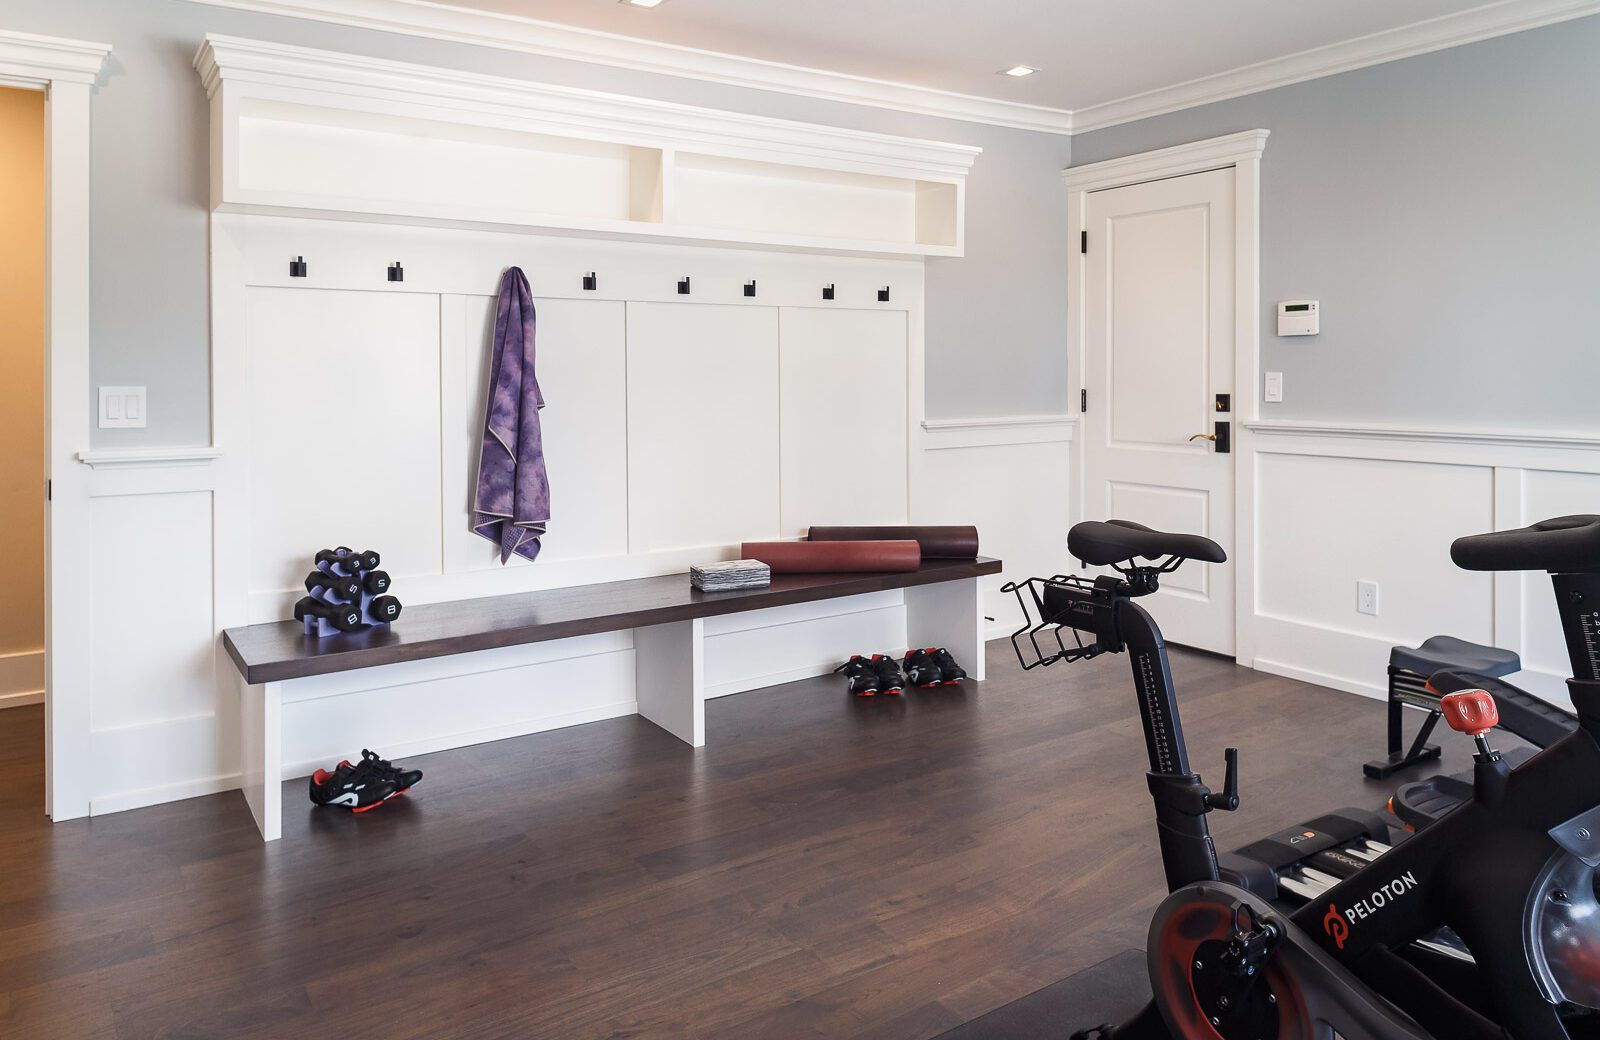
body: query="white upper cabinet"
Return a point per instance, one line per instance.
(308, 132)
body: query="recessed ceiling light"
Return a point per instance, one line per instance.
(644, 3)
(1017, 70)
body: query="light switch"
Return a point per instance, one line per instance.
(121, 407)
(1273, 390)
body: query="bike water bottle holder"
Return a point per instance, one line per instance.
(1079, 604)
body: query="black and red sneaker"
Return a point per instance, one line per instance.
(890, 678)
(862, 676)
(402, 779)
(358, 788)
(950, 673)
(922, 670)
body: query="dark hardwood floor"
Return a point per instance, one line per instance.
(825, 867)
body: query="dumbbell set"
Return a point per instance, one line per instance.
(346, 593)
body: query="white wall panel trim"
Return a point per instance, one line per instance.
(995, 431)
(147, 458)
(1374, 431)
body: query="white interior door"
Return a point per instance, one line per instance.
(1158, 349)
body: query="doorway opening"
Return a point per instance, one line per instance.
(23, 462)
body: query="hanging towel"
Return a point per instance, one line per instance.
(512, 504)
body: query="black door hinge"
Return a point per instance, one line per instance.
(49, 487)
(1083, 400)
(1083, 241)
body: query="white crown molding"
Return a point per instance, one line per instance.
(148, 457)
(549, 39)
(435, 21)
(1453, 30)
(36, 60)
(1373, 431)
(1210, 154)
(623, 117)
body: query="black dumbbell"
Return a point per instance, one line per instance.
(341, 586)
(376, 582)
(369, 560)
(384, 608)
(345, 617)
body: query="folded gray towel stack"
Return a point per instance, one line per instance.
(734, 574)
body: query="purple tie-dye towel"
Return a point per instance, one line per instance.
(512, 506)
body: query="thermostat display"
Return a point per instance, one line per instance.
(1297, 318)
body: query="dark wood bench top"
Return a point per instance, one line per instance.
(281, 650)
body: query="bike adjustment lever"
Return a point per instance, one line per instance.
(1228, 800)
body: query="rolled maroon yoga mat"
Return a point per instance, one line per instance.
(943, 543)
(835, 557)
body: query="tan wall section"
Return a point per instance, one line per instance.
(21, 371)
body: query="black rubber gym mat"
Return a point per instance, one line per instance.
(1106, 992)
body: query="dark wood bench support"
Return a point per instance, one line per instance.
(942, 605)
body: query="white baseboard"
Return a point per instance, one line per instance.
(21, 679)
(1316, 678)
(121, 801)
(503, 731)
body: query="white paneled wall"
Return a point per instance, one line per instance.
(349, 410)
(1339, 505)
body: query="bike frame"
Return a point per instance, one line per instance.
(1471, 871)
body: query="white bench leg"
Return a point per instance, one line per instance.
(261, 752)
(669, 678)
(949, 614)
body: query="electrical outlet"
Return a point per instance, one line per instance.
(1272, 392)
(1367, 597)
(122, 407)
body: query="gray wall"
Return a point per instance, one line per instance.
(1446, 211)
(996, 319)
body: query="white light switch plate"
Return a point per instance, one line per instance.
(122, 407)
(1272, 392)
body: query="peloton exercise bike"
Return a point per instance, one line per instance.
(1510, 872)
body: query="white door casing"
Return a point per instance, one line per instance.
(1171, 263)
(66, 71)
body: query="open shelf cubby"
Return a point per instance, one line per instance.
(323, 134)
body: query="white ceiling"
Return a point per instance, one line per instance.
(1090, 51)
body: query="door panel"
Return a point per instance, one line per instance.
(1159, 346)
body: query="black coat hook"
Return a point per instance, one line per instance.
(297, 267)
(590, 282)
(396, 272)
(750, 287)
(883, 295)
(683, 286)
(827, 291)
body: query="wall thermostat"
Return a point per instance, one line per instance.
(1297, 318)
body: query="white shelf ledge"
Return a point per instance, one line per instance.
(320, 133)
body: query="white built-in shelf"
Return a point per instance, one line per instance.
(319, 133)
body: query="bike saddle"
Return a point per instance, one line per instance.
(1565, 544)
(1101, 544)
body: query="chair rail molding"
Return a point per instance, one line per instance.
(991, 431)
(144, 458)
(1378, 431)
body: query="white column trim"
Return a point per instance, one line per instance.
(66, 71)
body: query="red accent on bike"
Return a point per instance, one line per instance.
(1472, 712)
(1336, 926)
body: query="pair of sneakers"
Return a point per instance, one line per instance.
(362, 786)
(880, 673)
